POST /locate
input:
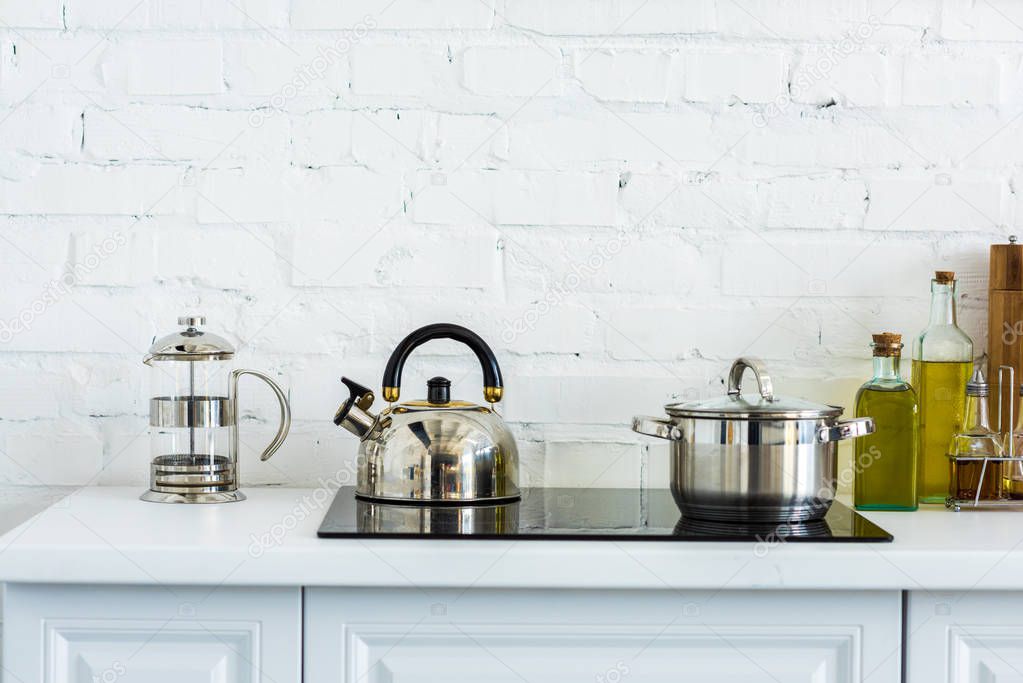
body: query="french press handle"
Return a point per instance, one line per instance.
(493, 387)
(285, 426)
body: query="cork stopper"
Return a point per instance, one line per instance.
(887, 344)
(944, 277)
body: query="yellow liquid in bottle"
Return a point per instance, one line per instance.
(886, 461)
(941, 390)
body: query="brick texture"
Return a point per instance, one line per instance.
(620, 195)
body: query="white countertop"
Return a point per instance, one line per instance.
(20, 503)
(106, 535)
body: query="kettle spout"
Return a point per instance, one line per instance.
(354, 413)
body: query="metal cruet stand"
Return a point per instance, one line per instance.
(1001, 462)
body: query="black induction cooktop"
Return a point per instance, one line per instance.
(579, 514)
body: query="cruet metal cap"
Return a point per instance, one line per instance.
(978, 386)
(190, 344)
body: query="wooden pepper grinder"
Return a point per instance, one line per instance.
(1005, 319)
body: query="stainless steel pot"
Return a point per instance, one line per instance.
(767, 459)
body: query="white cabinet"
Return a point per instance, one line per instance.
(157, 634)
(101, 634)
(424, 636)
(974, 637)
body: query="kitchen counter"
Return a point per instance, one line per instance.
(20, 503)
(105, 535)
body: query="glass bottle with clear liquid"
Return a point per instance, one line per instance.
(942, 363)
(886, 461)
(972, 476)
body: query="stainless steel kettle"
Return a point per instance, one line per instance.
(433, 450)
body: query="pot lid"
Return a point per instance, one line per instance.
(761, 406)
(190, 343)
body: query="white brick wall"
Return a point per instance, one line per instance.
(621, 195)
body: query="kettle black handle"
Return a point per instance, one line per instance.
(493, 387)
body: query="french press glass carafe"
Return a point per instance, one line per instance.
(193, 417)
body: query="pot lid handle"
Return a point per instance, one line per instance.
(759, 371)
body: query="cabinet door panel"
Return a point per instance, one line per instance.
(149, 652)
(408, 636)
(76, 634)
(971, 637)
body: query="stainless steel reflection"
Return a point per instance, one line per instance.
(197, 496)
(436, 449)
(198, 490)
(188, 474)
(190, 344)
(285, 413)
(766, 532)
(195, 437)
(444, 520)
(458, 454)
(186, 463)
(198, 412)
(753, 470)
(761, 460)
(846, 429)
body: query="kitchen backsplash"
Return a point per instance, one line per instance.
(621, 196)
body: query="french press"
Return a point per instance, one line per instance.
(193, 417)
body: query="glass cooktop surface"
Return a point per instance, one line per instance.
(579, 514)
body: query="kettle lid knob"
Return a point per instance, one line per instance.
(438, 390)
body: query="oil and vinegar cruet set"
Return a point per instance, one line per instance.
(936, 440)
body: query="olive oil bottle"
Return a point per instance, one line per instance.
(886, 461)
(942, 364)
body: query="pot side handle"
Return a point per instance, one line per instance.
(657, 427)
(846, 429)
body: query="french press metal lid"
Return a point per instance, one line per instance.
(191, 343)
(193, 417)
